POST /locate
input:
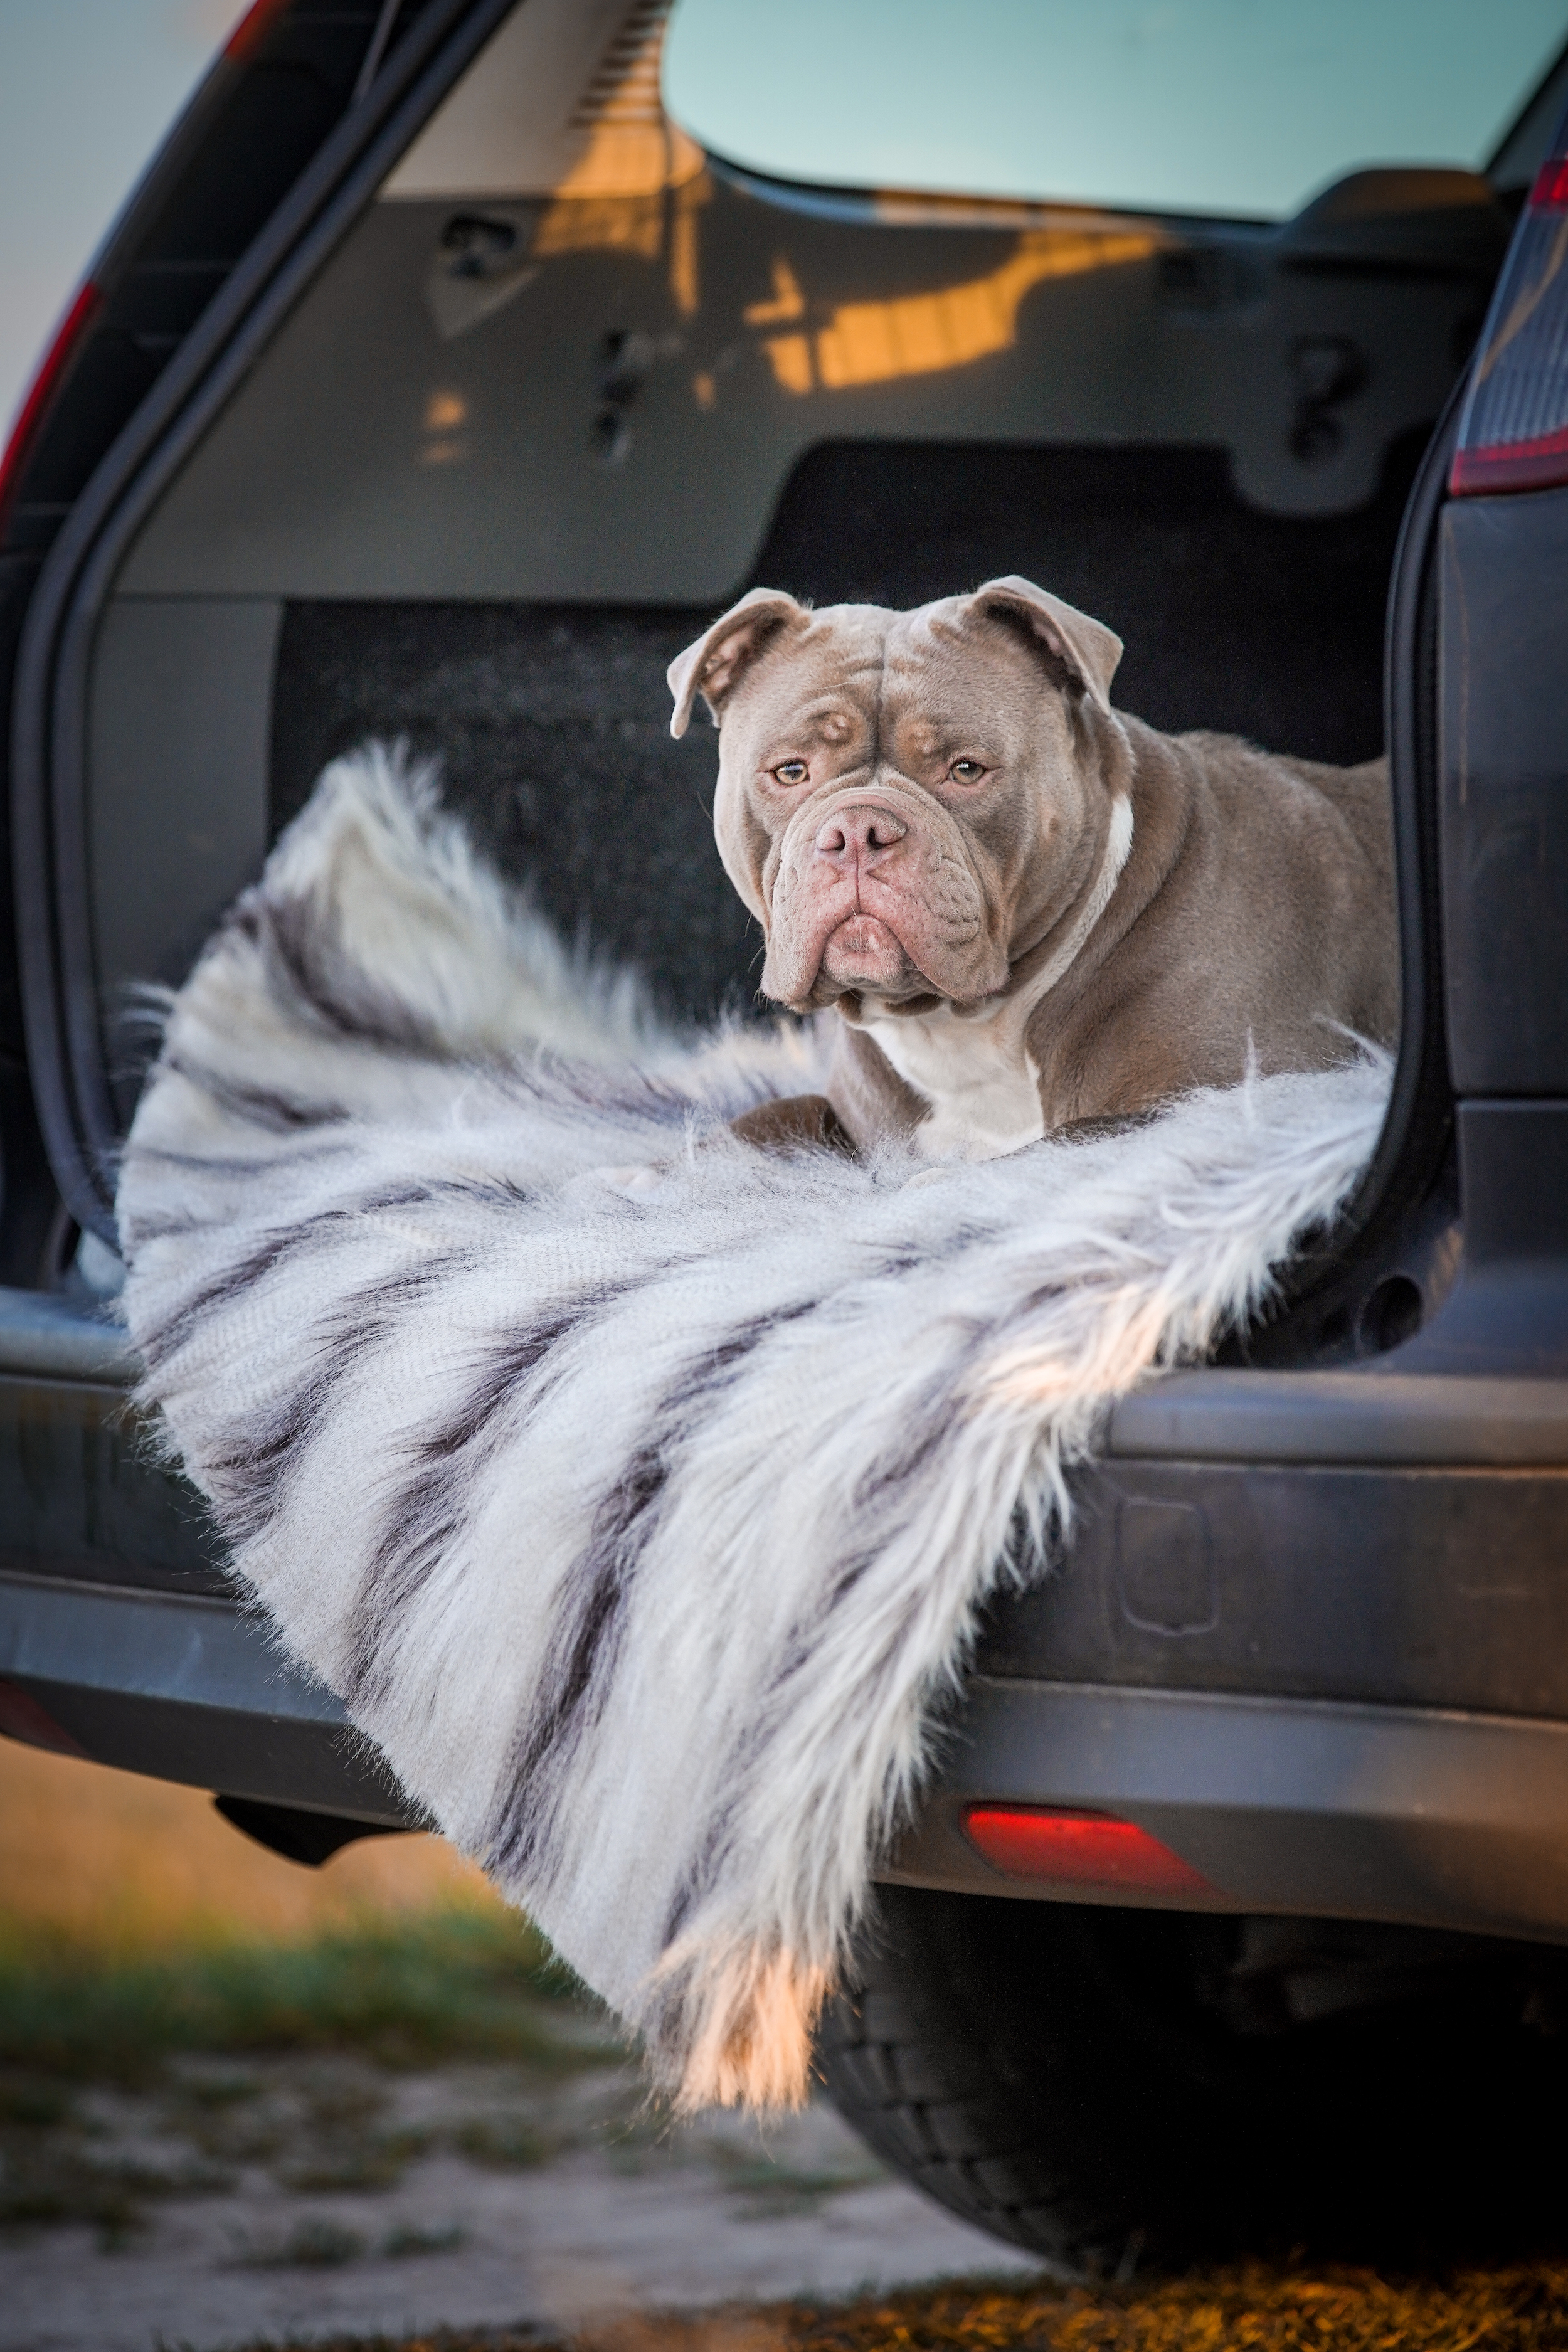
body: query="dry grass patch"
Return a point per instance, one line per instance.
(1251, 2308)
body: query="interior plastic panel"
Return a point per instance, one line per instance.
(179, 752)
(563, 98)
(1505, 817)
(619, 428)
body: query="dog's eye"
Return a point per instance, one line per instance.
(791, 772)
(966, 772)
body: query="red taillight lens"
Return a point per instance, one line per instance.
(1077, 1849)
(30, 415)
(1550, 192)
(21, 1718)
(1514, 432)
(251, 27)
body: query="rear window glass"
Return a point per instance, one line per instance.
(1244, 108)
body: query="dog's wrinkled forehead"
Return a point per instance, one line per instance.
(777, 650)
(874, 681)
(823, 677)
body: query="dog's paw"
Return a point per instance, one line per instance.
(794, 1123)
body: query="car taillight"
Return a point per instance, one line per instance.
(30, 415)
(1513, 435)
(248, 33)
(1077, 1849)
(21, 1718)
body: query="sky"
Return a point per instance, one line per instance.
(88, 89)
(1205, 106)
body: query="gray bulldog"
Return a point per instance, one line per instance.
(1028, 910)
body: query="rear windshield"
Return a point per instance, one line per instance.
(1244, 108)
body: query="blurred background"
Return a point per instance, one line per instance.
(94, 1862)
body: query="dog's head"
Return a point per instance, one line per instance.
(906, 800)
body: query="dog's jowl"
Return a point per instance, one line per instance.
(1028, 908)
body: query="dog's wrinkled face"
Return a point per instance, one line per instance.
(906, 800)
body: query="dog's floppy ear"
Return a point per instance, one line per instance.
(1089, 649)
(712, 666)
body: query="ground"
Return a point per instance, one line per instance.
(244, 2104)
(239, 2100)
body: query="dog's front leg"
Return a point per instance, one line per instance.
(795, 1123)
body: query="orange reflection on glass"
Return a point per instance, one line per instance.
(919, 334)
(684, 282)
(787, 300)
(607, 225)
(613, 198)
(446, 413)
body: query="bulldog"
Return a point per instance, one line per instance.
(1028, 910)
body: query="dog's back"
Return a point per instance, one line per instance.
(1254, 930)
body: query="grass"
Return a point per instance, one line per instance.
(505, 2143)
(413, 1992)
(151, 1957)
(319, 2244)
(454, 1985)
(136, 1925)
(59, 2180)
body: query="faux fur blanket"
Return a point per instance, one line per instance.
(637, 1490)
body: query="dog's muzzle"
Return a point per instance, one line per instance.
(873, 890)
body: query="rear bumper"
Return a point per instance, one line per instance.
(1397, 1540)
(1432, 1817)
(1312, 1633)
(184, 1688)
(1421, 1815)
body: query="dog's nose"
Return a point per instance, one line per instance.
(855, 832)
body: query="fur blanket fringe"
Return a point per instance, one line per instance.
(637, 1490)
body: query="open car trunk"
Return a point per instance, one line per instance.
(540, 386)
(448, 408)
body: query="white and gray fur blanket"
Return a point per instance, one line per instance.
(637, 1490)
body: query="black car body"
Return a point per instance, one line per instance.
(366, 423)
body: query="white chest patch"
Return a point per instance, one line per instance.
(982, 1086)
(973, 1069)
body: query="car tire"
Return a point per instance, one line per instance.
(1115, 2088)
